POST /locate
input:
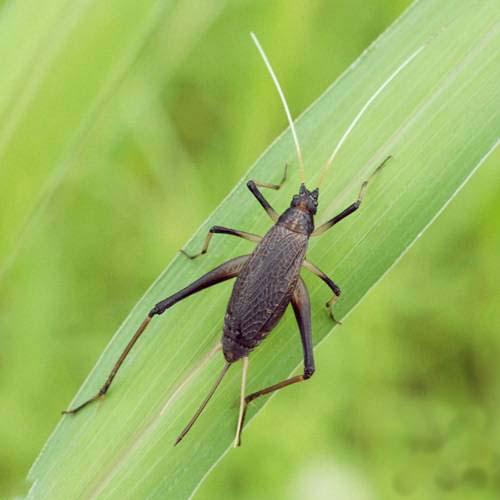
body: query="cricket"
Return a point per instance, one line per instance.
(268, 280)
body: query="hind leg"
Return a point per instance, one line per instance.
(302, 309)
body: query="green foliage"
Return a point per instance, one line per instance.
(438, 119)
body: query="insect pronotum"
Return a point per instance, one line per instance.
(268, 279)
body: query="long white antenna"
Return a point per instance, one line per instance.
(285, 105)
(364, 108)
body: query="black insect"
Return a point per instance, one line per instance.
(267, 280)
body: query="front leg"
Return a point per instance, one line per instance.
(325, 278)
(222, 230)
(351, 208)
(253, 186)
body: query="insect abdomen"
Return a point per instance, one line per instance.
(263, 290)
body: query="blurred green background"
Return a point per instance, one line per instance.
(412, 409)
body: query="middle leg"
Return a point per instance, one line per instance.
(326, 279)
(253, 186)
(222, 230)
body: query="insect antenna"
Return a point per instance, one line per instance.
(285, 105)
(202, 406)
(363, 110)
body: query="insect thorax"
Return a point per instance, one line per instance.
(297, 220)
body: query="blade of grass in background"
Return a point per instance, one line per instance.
(439, 119)
(59, 66)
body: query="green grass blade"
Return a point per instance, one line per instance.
(439, 119)
(50, 95)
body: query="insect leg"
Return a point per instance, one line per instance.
(301, 305)
(320, 274)
(302, 309)
(239, 427)
(270, 185)
(351, 208)
(333, 287)
(228, 270)
(253, 186)
(222, 230)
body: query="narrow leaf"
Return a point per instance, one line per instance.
(438, 119)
